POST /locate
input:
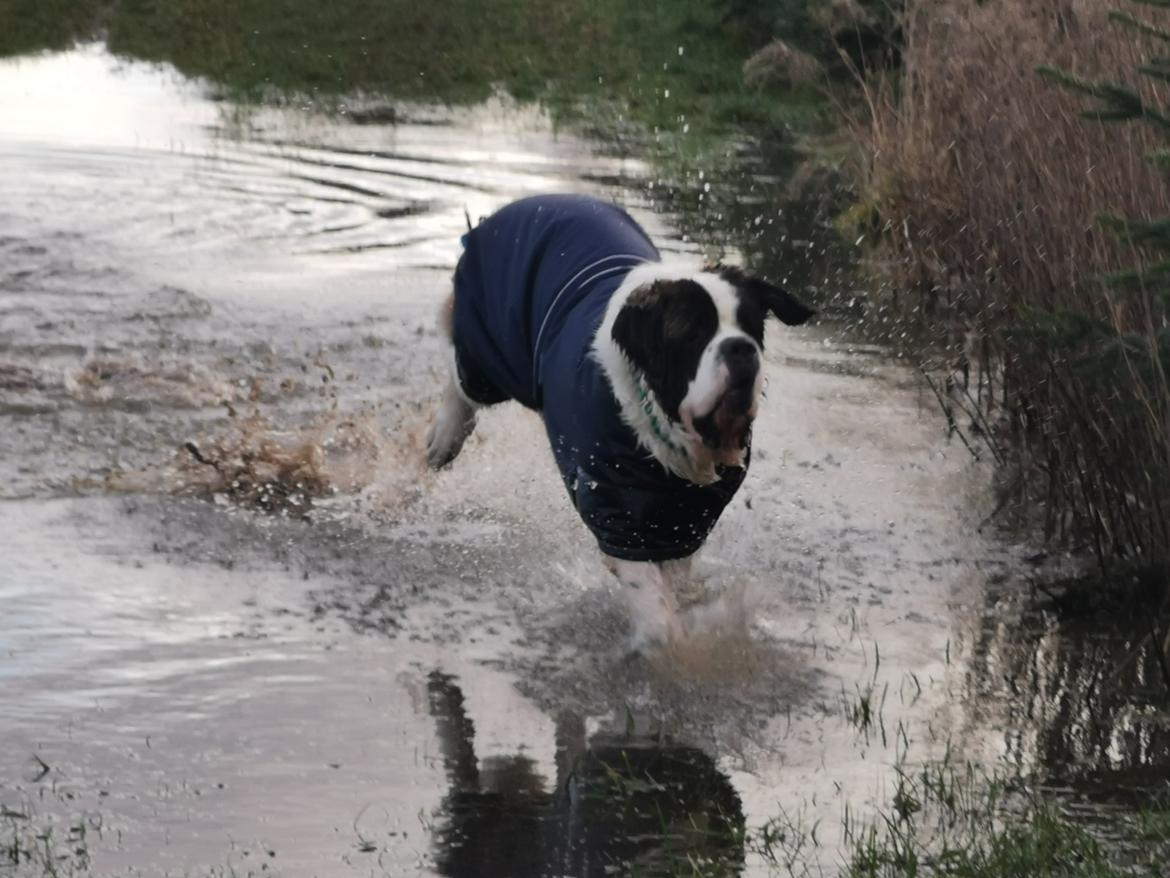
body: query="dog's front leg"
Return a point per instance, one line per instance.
(453, 421)
(650, 600)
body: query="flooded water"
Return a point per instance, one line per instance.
(244, 629)
(1077, 688)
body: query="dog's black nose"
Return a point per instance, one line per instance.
(741, 356)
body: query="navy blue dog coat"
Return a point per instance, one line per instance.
(531, 291)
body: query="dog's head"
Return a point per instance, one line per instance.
(696, 339)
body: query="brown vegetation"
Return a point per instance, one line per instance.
(778, 63)
(983, 186)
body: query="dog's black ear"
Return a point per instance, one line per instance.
(776, 299)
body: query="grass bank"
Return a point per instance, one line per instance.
(983, 188)
(669, 63)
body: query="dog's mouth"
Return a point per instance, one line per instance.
(726, 430)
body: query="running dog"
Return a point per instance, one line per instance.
(646, 372)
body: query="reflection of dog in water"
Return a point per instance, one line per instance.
(621, 803)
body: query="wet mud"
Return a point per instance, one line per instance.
(245, 628)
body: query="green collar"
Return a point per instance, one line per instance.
(647, 404)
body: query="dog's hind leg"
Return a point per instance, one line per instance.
(454, 418)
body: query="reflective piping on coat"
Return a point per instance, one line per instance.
(638, 260)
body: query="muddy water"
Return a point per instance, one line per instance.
(291, 649)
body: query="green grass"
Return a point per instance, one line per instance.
(961, 822)
(39, 25)
(1152, 823)
(1042, 843)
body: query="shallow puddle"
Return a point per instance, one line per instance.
(403, 672)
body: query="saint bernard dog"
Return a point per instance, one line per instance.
(646, 373)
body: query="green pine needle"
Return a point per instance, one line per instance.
(1139, 25)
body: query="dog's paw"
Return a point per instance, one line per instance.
(446, 435)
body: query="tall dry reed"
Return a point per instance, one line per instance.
(982, 186)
